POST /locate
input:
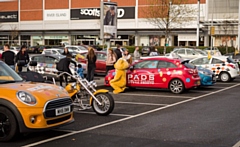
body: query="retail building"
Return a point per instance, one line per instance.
(51, 22)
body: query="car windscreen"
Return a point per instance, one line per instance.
(60, 51)
(189, 65)
(230, 60)
(7, 74)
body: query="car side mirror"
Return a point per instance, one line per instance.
(131, 68)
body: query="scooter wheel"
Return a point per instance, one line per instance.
(107, 104)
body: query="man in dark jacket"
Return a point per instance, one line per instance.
(63, 66)
(8, 56)
(118, 52)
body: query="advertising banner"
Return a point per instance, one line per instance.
(61, 14)
(108, 20)
(11, 16)
(95, 13)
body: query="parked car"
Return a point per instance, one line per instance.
(47, 63)
(76, 49)
(208, 78)
(146, 50)
(27, 107)
(213, 51)
(100, 63)
(33, 49)
(55, 51)
(160, 72)
(223, 66)
(41, 48)
(187, 53)
(235, 57)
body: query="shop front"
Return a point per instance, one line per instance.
(49, 40)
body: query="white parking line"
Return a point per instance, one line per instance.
(84, 112)
(134, 103)
(151, 95)
(127, 118)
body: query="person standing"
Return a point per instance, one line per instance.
(8, 56)
(66, 51)
(22, 56)
(118, 52)
(63, 66)
(127, 57)
(136, 54)
(91, 64)
(111, 59)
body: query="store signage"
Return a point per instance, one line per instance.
(187, 37)
(94, 13)
(60, 14)
(9, 16)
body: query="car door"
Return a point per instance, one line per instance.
(101, 63)
(143, 74)
(191, 54)
(50, 65)
(165, 72)
(181, 52)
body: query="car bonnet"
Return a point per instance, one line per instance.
(38, 90)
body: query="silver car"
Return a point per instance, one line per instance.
(187, 53)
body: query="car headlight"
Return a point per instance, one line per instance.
(26, 98)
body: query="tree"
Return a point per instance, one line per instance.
(14, 33)
(169, 14)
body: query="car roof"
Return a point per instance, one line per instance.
(161, 58)
(52, 55)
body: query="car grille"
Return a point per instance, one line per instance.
(51, 106)
(50, 122)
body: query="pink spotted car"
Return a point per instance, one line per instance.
(160, 72)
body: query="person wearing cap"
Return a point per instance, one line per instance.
(111, 59)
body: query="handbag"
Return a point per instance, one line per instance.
(21, 63)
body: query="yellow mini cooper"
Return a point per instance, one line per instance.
(28, 106)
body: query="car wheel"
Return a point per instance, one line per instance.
(225, 77)
(176, 86)
(8, 124)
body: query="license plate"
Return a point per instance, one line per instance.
(63, 110)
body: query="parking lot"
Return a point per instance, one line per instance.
(146, 117)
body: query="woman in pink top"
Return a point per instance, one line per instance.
(111, 59)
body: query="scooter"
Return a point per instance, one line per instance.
(84, 95)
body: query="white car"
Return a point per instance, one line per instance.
(224, 67)
(55, 51)
(76, 49)
(187, 53)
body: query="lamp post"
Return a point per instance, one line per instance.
(238, 27)
(198, 19)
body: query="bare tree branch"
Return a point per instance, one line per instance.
(169, 14)
(14, 33)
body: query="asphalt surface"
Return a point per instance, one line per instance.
(205, 117)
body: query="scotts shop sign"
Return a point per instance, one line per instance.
(94, 13)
